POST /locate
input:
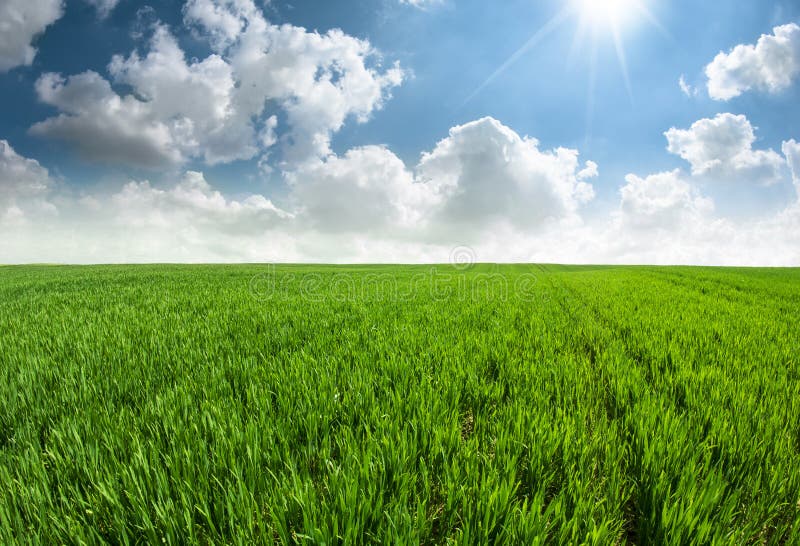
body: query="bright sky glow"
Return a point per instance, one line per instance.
(609, 13)
(596, 20)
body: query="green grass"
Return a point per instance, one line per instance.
(324, 405)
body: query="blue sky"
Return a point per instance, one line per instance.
(445, 51)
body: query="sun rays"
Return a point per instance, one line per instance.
(596, 20)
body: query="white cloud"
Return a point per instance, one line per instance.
(481, 176)
(188, 221)
(222, 20)
(591, 170)
(193, 204)
(280, 93)
(222, 108)
(21, 21)
(687, 89)
(661, 201)
(104, 127)
(723, 148)
(422, 4)
(791, 149)
(483, 185)
(20, 176)
(199, 97)
(368, 189)
(24, 185)
(664, 219)
(319, 80)
(104, 7)
(181, 110)
(770, 66)
(486, 173)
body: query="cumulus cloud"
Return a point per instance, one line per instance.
(185, 221)
(104, 7)
(662, 201)
(771, 65)
(21, 21)
(483, 175)
(483, 185)
(20, 176)
(24, 185)
(591, 170)
(200, 98)
(486, 173)
(105, 127)
(278, 94)
(222, 108)
(181, 110)
(483, 178)
(193, 204)
(368, 188)
(223, 20)
(664, 219)
(319, 80)
(723, 147)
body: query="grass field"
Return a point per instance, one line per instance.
(399, 405)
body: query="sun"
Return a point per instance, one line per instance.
(608, 13)
(598, 20)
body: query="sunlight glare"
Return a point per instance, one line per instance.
(597, 20)
(613, 13)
